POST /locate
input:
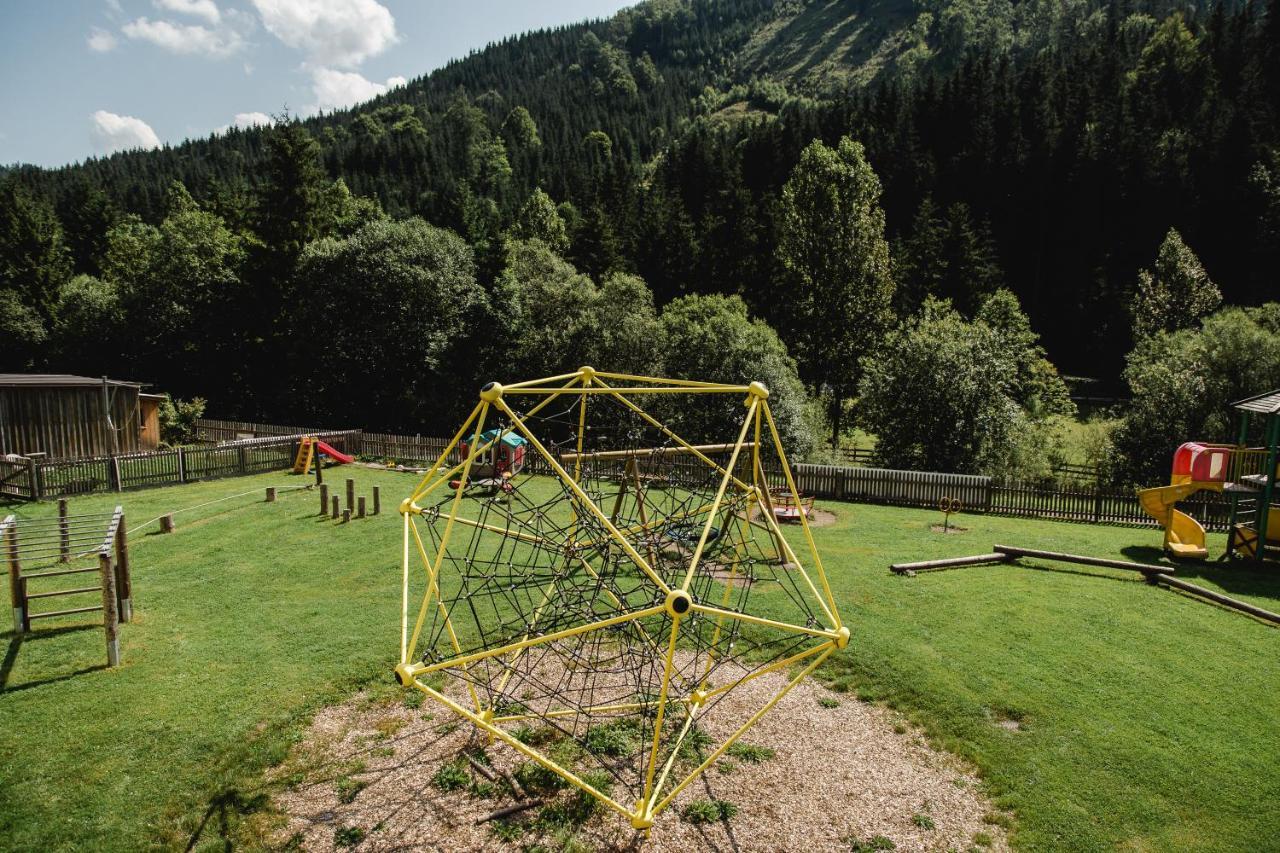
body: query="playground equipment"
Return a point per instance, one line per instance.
(61, 548)
(501, 457)
(309, 447)
(1246, 474)
(608, 604)
(789, 509)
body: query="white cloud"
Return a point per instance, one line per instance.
(251, 120)
(101, 41)
(335, 90)
(111, 132)
(330, 32)
(205, 9)
(185, 38)
(114, 5)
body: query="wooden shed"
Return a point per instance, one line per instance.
(69, 417)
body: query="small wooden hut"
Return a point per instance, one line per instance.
(70, 417)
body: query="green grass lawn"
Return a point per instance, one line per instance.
(1148, 720)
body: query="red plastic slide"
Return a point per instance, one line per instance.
(329, 451)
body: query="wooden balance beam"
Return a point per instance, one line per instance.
(948, 563)
(1146, 568)
(1218, 598)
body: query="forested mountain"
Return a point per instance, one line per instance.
(1044, 146)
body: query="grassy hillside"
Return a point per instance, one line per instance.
(1100, 711)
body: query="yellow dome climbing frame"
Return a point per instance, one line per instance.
(609, 589)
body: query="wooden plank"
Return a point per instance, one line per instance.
(67, 612)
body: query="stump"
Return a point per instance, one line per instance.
(166, 523)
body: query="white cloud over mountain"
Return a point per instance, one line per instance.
(335, 90)
(113, 132)
(251, 120)
(342, 33)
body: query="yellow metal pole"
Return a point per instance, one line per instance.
(715, 755)
(444, 455)
(804, 521)
(662, 707)
(767, 623)
(715, 504)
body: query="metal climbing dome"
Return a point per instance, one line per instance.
(593, 607)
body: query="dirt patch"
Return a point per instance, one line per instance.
(948, 529)
(841, 771)
(818, 517)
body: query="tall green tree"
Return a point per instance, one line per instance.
(1176, 293)
(713, 338)
(34, 261)
(832, 243)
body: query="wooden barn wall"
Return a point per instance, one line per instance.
(66, 422)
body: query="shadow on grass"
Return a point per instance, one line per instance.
(1239, 577)
(16, 642)
(222, 808)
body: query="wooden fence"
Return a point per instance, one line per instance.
(250, 448)
(37, 479)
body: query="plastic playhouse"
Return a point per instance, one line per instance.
(495, 467)
(1246, 474)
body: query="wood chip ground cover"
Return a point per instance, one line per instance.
(843, 772)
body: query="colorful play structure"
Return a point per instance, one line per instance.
(607, 606)
(1246, 474)
(309, 448)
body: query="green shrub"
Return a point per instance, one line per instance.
(708, 811)
(451, 777)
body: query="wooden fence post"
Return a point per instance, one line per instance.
(124, 583)
(360, 507)
(166, 523)
(33, 474)
(64, 532)
(182, 465)
(351, 494)
(16, 596)
(110, 619)
(334, 507)
(346, 516)
(244, 460)
(113, 473)
(377, 501)
(271, 494)
(324, 499)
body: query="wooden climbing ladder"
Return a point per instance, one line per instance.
(38, 551)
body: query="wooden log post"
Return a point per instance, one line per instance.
(166, 523)
(1219, 598)
(351, 494)
(334, 506)
(948, 563)
(124, 583)
(377, 501)
(360, 507)
(1145, 568)
(17, 594)
(64, 532)
(324, 499)
(110, 617)
(271, 494)
(346, 516)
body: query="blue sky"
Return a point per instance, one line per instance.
(87, 77)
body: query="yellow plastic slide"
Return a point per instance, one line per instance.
(1183, 535)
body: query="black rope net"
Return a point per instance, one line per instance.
(550, 614)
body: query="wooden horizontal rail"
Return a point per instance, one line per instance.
(655, 451)
(54, 574)
(58, 592)
(1145, 568)
(63, 612)
(950, 563)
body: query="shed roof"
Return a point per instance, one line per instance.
(59, 380)
(1266, 404)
